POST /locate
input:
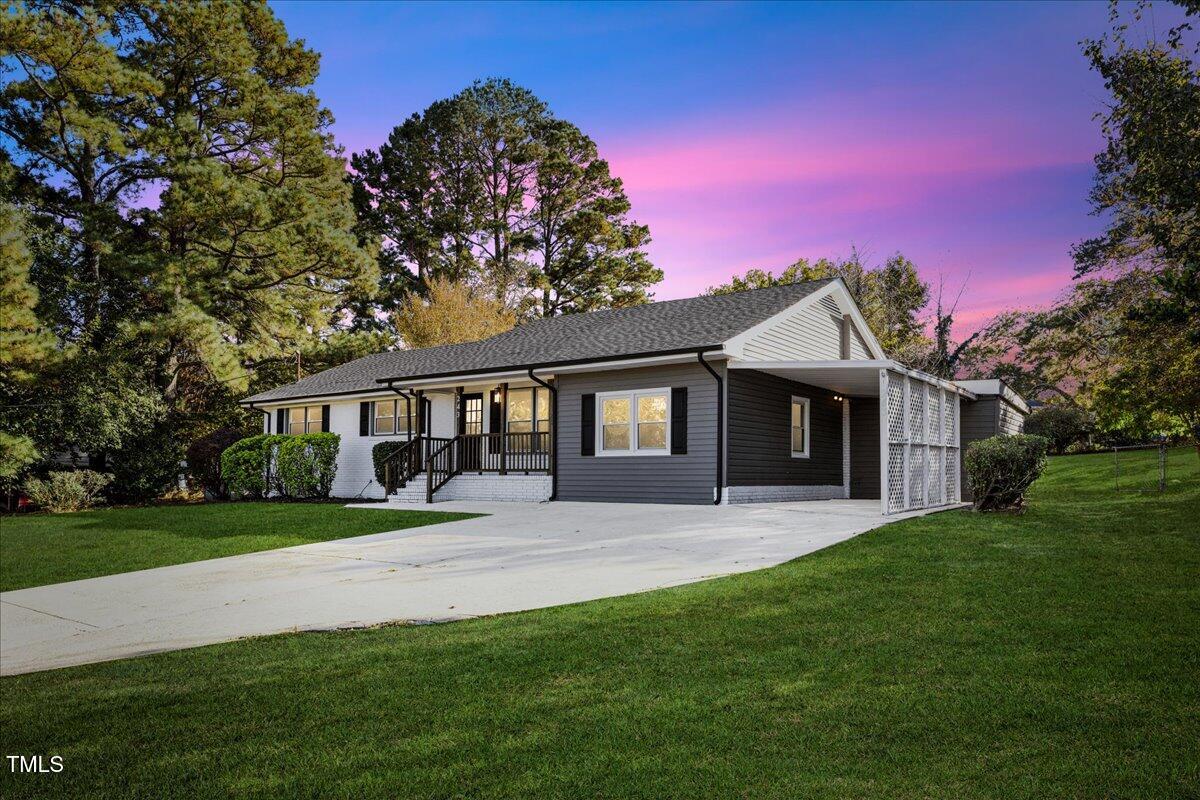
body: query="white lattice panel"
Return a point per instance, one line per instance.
(895, 407)
(895, 478)
(933, 414)
(921, 452)
(951, 474)
(916, 477)
(916, 411)
(933, 473)
(947, 422)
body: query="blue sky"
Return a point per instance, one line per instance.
(752, 134)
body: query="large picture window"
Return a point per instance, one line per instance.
(799, 427)
(391, 417)
(634, 423)
(304, 420)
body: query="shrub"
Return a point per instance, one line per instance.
(67, 490)
(204, 461)
(380, 453)
(1001, 469)
(307, 464)
(146, 466)
(1062, 425)
(246, 466)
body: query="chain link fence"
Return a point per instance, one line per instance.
(1153, 467)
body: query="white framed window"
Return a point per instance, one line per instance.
(528, 413)
(304, 420)
(633, 423)
(799, 436)
(391, 418)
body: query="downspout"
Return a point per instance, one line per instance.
(407, 406)
(553, 432)
(262, 411)
(720, 424)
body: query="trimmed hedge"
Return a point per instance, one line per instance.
(246, 466)
(307, 464)
(298, 466)
(1002, 468)
(381, 453)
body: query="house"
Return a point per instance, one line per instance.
(772, 394)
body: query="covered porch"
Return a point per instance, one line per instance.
(900, 431)
(473, 428)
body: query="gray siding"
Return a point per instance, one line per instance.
(864, 448)
(978, 419)
(760, 450)
(686, 478)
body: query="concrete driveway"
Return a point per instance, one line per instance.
(520, 557)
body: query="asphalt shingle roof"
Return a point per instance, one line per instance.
(667, 326)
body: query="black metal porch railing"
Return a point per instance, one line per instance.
(402, 465)
(440, 465)
(442, 458)
(506, 452)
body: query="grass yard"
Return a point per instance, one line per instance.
(37, 549)
(1055, 654)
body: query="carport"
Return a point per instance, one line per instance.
(904, 440)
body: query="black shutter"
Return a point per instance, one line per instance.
(280, 420)
(427, 412)
(587, 426)
(364, 418)
(679, 420)
(495, 423)
(325, 419)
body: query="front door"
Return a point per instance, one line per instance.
(470, 425)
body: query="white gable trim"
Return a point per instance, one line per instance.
(837, 289)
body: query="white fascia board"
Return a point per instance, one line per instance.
(882, 363)
(735, 346)
(839, 364)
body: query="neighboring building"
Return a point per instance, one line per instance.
(771, 394)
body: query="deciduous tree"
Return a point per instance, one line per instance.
(451, 313)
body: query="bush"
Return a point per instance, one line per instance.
(67, 490)
(1001, 469)
(204, 461)
(246, 466)
(307, 464)
(1062, 425)
(146, 466)
(381, 453)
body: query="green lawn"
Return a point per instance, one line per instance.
(1051, 655)
(38, 549)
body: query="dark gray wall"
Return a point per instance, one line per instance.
(864, 448)
(686, 478)
(982, 419)
(978, 419)
(760, 447)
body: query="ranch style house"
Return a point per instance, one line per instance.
(775, 394)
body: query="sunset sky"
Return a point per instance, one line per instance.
(751, 135)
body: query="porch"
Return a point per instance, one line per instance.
(494, 437)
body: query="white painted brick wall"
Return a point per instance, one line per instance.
(356, 473)
(780, 494)
(497, 488)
